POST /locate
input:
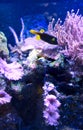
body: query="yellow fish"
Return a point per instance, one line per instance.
(44, 36)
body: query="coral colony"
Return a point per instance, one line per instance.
(29, 62)
(51, 103)
(12, 71)
(70, 35)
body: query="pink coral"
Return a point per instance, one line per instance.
(51, 100)
(50, 113)
(69, 35)
(12, 71)
(51, 104)
(48, 87)
(17, 41)
(51, 117)
(4, 97)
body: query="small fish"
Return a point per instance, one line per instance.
(44, 36)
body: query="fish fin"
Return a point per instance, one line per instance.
(33, 31)
(38, 37)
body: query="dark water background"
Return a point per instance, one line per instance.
(12, 10)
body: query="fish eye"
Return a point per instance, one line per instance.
(53, 39)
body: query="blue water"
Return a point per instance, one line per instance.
(12, 10)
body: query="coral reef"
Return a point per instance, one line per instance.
(70, 36)
(45, 81)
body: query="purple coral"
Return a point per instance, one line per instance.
(69, 35)
(50, 113)
(51, 100)
(51, 104)
(4, 97)
(48, 87)
(12, 71)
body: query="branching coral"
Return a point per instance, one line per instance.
(12, 71)
(18, 41)
(69, 35)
